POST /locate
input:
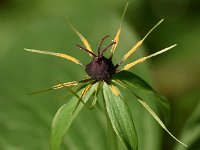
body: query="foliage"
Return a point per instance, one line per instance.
(25, 120)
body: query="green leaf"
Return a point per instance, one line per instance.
(132, 82)
(111, 135)
(120, 117)
(191, 131)
(129, 80)
(65, 116)
(153, 114)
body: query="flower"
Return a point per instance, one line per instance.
(103, 74)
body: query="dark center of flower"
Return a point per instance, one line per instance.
(100, 68)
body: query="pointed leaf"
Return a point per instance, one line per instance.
(153, 114)
(65, 116)
(120, 116)
(132, 82)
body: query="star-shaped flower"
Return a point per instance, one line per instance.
(105, 76)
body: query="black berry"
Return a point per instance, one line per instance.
(100, 68)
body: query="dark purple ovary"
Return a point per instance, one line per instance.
(100, 68)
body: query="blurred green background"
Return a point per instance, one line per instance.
(25, 121)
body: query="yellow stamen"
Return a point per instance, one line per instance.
(61, 85)
(55, 87)
(135, 47)
(116, 39)
(83, 39)
(128, 66)
(65, 56)
(115, 90)
(82, 94)
(86, 90)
